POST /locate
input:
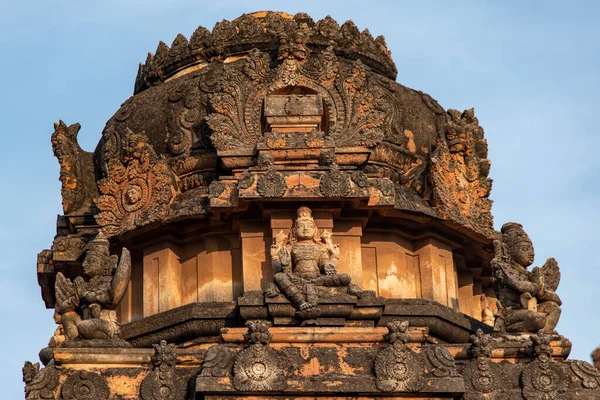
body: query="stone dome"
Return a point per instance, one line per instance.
(275, 91)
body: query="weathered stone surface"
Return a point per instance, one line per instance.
(266, 173)
(528, 299)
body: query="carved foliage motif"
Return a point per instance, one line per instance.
(39, 384)
(335, 183)
(138, 189)
(356, 109)
(587, 373)
(217, 362)
(76, 168)
(398, 368)
(441, 362)
(258, 368)
(543, 379)
(292, 34)
(85, 385)
(483, 379)
(271, 183)
(182, 122)
(459, 171)
(163, 383)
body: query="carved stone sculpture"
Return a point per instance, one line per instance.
(85, 385)
(398, 368)
(138, 189)
(217, 361)
(86, 306)
(543, 378)
(459, 170)
(258, 368)
(528, 298)
(163, 383)
(305, 261)
(39, 384)
(76, 169)
(483, 378)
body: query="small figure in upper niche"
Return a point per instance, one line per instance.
(86, 308)
(528, 299)
(306, 260)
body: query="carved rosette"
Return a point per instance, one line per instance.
(271, 184)
(85, 385)
(459, 170)
(39, 384)
(138, 189)
(398, 368)
(163, 383)
(483, 378)
(544, 379)
(258, 367)
(335, 183)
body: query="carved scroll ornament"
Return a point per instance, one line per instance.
(357, 110)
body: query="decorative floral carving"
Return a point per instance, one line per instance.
(163, 383)
(398, 368)
(180, 124)
(365, 109)
(483, 378)
(258, 368)
(217, 361)
(271, 184)
(85, 385)
(293, 36)
(356, 110)
(543, 379)
(245, 180)
(459, 169)
(335, 183)
(216, 189)
(587, 373)
(39, 384)
(257, 65)
(360, 179)
(76, 169)
(442, 362)
(138, 189)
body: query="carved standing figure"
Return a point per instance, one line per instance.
(305, 261)
(528, 298)
(86, 306)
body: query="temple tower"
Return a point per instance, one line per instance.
(272, 215)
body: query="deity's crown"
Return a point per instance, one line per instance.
(99, 246)
(512, 232)
(304, 214)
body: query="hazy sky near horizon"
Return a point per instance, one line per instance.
(530, 69)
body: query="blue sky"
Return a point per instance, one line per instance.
(530, 69)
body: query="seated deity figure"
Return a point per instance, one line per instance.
(528, 299)
(85, 307)
(305, 261)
